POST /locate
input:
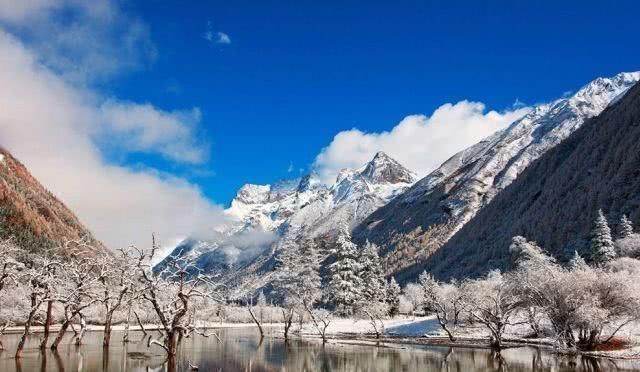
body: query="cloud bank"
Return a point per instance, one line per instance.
(420, 143)
(55, 123)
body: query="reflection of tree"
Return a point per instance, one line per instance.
(59, 363)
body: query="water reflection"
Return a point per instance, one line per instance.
(242, 350)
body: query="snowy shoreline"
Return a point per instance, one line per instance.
(399, 333)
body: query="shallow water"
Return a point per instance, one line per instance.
(240, 350)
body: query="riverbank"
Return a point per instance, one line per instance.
(399, 332)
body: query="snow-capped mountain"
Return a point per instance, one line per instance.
(260, 215)
(414, 225)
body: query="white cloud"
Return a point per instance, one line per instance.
(84, 41)
(223, 38)
(216, 37)
(418, 142)
(144, 128)
(51, 125)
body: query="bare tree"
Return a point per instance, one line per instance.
(447, 300)
(171, 292)
(8, 274)
(415, 295)
(78, 289)
(375, 312)
(115, 279)
(321, 319)
(493, 302)
(39, 280)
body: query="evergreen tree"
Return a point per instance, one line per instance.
(298, 277)
(345, 283)
(602, 249)
(625, 229)
(393, 297)
(372, 274)
(577, 262)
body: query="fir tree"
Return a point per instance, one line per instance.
(345, 283)
(577, 262)
(625, 228)
(372, 274)
(602, 249)
(393, 297)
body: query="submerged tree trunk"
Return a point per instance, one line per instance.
(107, 329)
(255, 320)
(60, 335)
(47, 326)
(27, 326)
(125, 338)
(83, 328)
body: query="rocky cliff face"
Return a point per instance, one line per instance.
(417, 223)
(31, 215)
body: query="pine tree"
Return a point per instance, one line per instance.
(372, 274)
(577, 262)
(345, 283)
(625, 228)
(602, 249)
(298, 277)
(393, 297)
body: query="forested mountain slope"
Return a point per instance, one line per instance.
(31, 215)
(411, 227)
(555, 200)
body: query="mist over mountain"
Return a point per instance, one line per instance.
(262, 215)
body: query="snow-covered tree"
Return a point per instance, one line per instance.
(375, 312)
(577, 261)
(493, 302)
(393, 296)
(629, 246)
(372, 275)
(261, 302)
(298, 278)
(345, 283)
(625, 228)
(447, 300)
(40, 280)
(602, 249)
(414, 294)
(171, 293)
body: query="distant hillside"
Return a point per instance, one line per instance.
(30, 214)
(555, 200)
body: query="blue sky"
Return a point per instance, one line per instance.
(157, 111)
(295, 74)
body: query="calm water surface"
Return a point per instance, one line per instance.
(240, 350)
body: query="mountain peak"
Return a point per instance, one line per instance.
(384, 169)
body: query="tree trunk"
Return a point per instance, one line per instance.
(60, 335)
(107, 329)
(255, 320)
(125, 338)
(27, 328)
(144, 331)
(47, 326)
(83, 328)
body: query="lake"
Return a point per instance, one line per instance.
(241, 350)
